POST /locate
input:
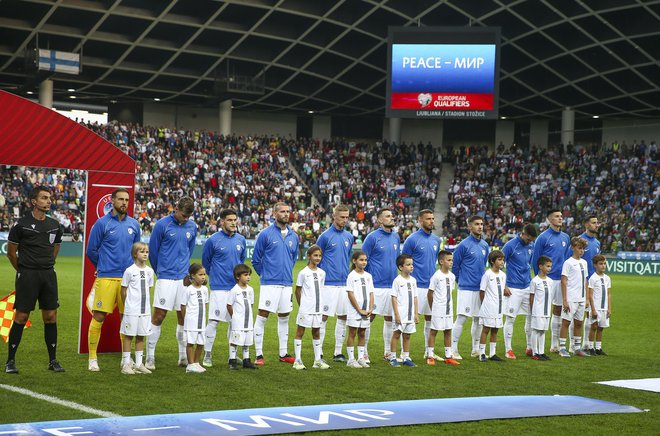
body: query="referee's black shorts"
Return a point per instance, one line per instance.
(33, 285)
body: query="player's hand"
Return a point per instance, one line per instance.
(507, 292)
(416, 319)
(566, 307)
(397, 320)
(594, 314)
(609, 313)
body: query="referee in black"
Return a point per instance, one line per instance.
(36, 237)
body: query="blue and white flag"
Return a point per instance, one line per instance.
(59, 61)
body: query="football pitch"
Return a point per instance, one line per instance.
(631, 342)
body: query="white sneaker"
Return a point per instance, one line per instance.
(200, 368)
(354, 364)
(150, 364)
(436, 357)
(127, 369)
(363, 363)
(366, 358)
(298, 365)
(475, 353)
(320, 364)
(192, 368)
(208, 361)
(183, 362)
(141, 370)
(93, 365)
(456, 355)
(130, 362)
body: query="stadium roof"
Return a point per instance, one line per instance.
(599, 57)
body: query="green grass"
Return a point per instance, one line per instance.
(631, 343)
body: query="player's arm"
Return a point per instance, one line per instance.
(12, 249)
(294, 255)
(590, 300)
(230, 310)
(609, 301)
(415, 312)
(257, 254)
(482, 287)
(353, 301)
(193, 241)
(368, 245)
(564, 281)
(538, 248)
(322, 242)
(531, 303)
(183, 309)
(154, 245)
(56, 250)
(94, 243)
(123, 294)
(407, 246)
(207, 255)
(507, 291)
(395, 309)
(58, 242)
(243, 254)
(298, 294)
(371, 303)
(429, 297)
(458, 258)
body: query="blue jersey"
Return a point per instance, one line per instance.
(592, 249)
(518, 257)
(171, 246)
(274, 256)
(470, 259)
(336, 245)
(220, 255)
(110, 243)
(423, 247)
(382, 249)
(556, 246)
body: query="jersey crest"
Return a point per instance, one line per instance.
(130, 231)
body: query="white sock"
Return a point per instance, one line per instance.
(405, 355)
(246, 352)
(360, 352)
(430, 351)
(475, 330)
(283, 333)
(209, 334)
(427, 331)
(125, 357)
(456, 331)
(577, 342)
(138, 358)
(535, 338)
(599, 345)
(541, 342)
(340, 335)
(232, 351)
(388, 328)
(482, 349)
(351, 353)
(587, 331)
(493, 347)
(316, 343)
(259, 327)
(297, 346)
(508, 332)
(555, 327)
(152, 340)
(528, 330)
(367, 335)
(322, 333)
(448, 353)
(181, 340)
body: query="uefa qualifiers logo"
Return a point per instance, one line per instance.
(104, 205)
(424, 99)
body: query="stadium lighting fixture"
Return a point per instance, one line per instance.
(595, 116)
(503, 118)
(71, 90)
(72, 96)
(310, 112)
(30, 92)
(156, 99)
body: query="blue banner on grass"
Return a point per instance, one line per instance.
(328, 417)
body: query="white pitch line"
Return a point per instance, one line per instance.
(14, 432)
(157, 428)
(61, 402)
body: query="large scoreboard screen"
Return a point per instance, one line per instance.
(443, 72)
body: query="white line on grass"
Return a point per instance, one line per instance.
(61, 402)
(156, 428)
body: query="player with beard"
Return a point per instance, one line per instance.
(382, 248)
(275, 254)
(470, 259)
(423, 246)
(556, 245)
(109, 249)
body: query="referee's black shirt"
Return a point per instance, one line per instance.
(36, 241)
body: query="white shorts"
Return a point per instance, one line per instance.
(407, 328)
(575, 311)
(602, 320)
(135, 325)
(495, 323)
(557, 299)
(441, 323)
(309, 320)
(335, 300)
(242, 337)
(469, 303)
(218, 306)
(361, 323)
(169, 294)
(423, 301)
(382, 301)
(517, 303)
(540, 322)
(194, 337)
(276, 298)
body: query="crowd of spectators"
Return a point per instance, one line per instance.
(368, 177)
(509, 187)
